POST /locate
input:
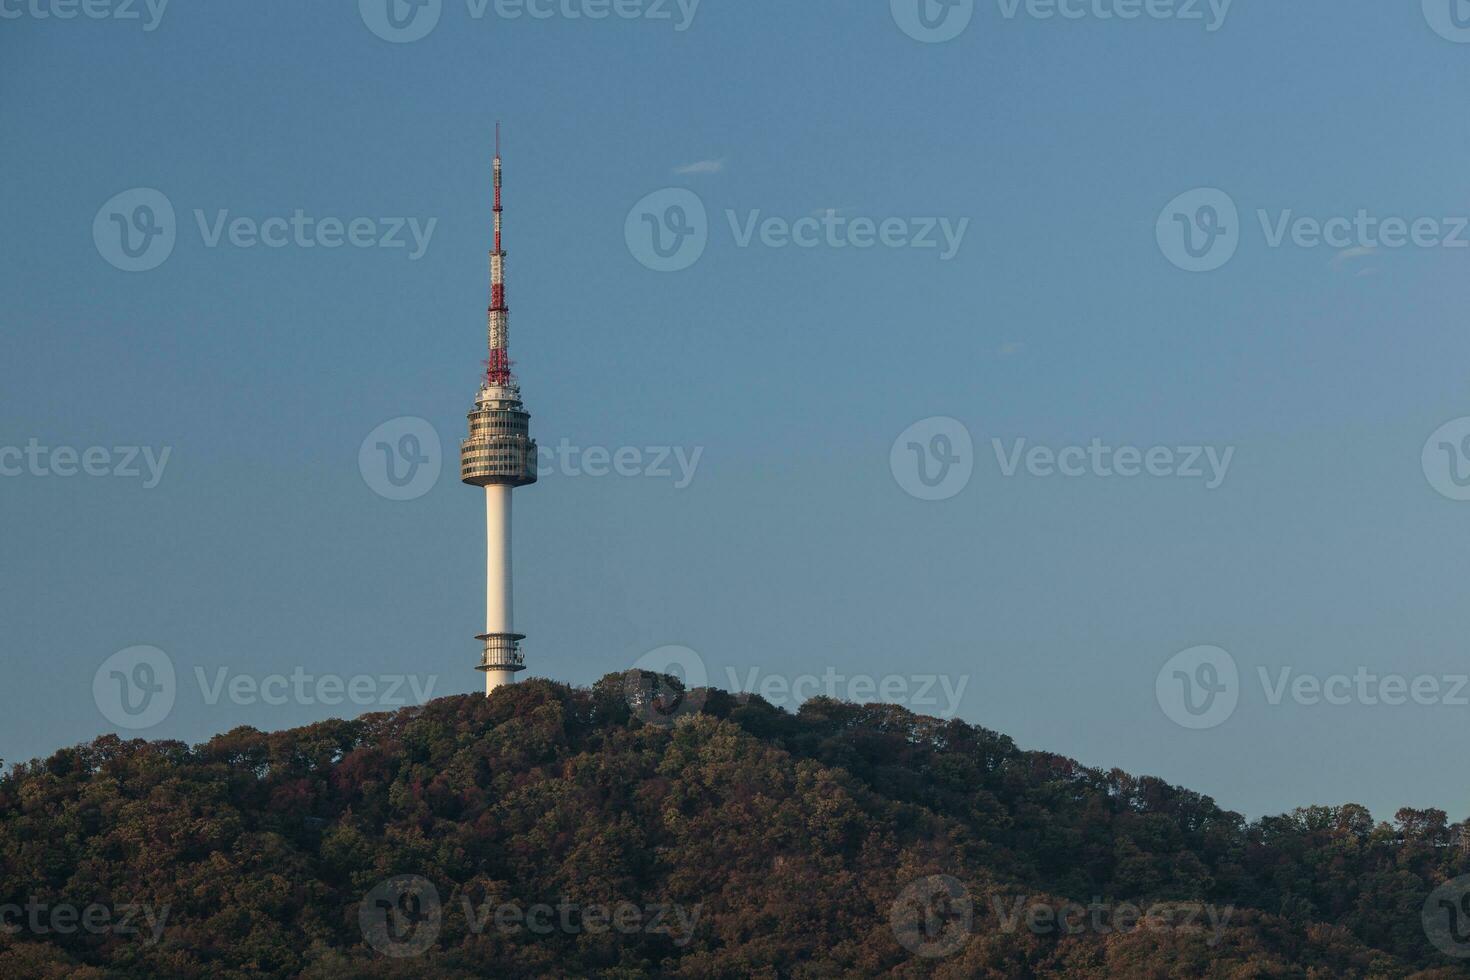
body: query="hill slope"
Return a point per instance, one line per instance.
(553, 831)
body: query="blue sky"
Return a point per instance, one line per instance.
(794, 549)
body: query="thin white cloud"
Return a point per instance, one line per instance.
(701, 167)
(1356, 252)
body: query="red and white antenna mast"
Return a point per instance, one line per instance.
(497, 373)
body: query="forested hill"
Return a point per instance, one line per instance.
(556, 831)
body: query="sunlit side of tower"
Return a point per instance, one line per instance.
(499, 456)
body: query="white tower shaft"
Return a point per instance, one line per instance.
(499, 589)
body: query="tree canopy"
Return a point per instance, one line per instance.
(557, 831)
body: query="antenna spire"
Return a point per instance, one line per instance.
(497, 372)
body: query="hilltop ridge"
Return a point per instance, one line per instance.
(560, 831)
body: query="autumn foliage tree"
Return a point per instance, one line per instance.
(785, 841)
